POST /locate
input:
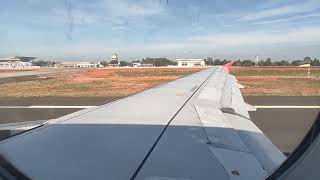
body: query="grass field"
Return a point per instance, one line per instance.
(279, 81)
(94, 82)
(273, 72)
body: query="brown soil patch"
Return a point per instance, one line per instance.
(279, 81)
(95, 82)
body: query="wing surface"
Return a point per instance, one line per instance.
(195, 127)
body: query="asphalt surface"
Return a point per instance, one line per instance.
(58, 101)
(20, 79)
(283, 100)
(35, 72)
(285, 127)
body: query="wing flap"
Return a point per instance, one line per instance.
(238, 164)
(218, 130)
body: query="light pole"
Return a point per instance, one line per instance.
(257, 60)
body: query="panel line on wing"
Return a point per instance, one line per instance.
(166, 127)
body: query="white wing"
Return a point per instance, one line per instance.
(196, 127)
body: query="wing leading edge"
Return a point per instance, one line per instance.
(195, 127)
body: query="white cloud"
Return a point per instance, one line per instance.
(125, 8)
(300, 35)
(284, 10)
(231, 43)
(299, 17)
(124, 15)
(59, 17)
(242, 43)
(121, 13)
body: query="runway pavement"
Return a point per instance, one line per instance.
(9, 115)
(35, 72)
(285, 127)
(32, 75)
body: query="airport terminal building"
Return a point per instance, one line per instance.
(79, 64)
(16, 62)
(191, 63)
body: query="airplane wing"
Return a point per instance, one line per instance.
(196, 127)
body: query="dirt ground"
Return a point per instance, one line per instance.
(14, 70)
(279, 81)
(94, 82)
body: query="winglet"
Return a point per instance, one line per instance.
(227, 66)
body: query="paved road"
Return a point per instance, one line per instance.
(285, 127)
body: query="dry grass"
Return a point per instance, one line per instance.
(95, 82)
(15, 70)
(271, 81)
(279, 81)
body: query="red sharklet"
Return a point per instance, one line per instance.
(228, 66)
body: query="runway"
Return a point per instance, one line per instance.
(285, 120)
(20, 76)
(43, 108)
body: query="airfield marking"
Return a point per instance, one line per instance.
(287, 107)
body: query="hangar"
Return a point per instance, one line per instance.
(16, 62)
(78, 64)
(191, 63)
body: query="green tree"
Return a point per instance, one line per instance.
(104, 63)
(268, 62)
(261, 63)
(315, 62)
(296, 63)
(284, 63)
(158, 61)
(237, 63)
(247, 63)
(217, 62)
(224, 62)
(43, 63)
(124, 63)
(307, 60)
(209, 61)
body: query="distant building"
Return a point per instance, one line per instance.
(78, 64)
(191, 63)
(16, 62)
(146, 65)
(114, 61)
(136, 64)
(305, 65)
(142, 65)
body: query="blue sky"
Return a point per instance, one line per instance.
(81, 29)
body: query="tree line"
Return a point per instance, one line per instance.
(157, 62)
(267, 62)
(44, 63)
